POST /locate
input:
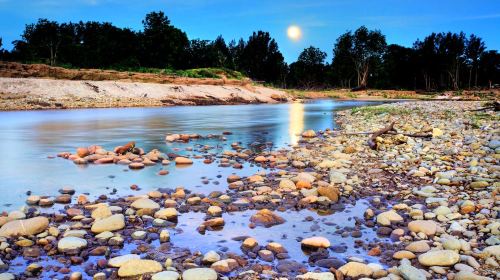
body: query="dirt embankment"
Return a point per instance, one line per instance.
(29, 87)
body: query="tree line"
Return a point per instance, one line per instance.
(361, 58)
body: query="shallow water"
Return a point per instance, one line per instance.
(29, 137)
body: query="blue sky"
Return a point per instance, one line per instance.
(322, 21)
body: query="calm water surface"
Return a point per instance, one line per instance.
(28, 138)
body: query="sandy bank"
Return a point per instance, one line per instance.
(35, 93)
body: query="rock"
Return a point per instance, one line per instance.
(317, 276)
(287, 184)
(266, 255)
(145, 203)
(337, 177)
(7, 276)
(183, 161)
(409, 272)
(493, 250)
(120, 260)
(309, 133)
(439, 258)
(315, 242)
(479, 184)
(199, 274)
(451, 243)
(214, 211)
(467, 275)
(266, 218)
(399, 255)
(166, 275)
(164, 235)
(71, 244)
(436, 132)
(211, 257)
(425, 226)
(249, 243)
(135, 267)
(136, 165)
(329, 191)
(224, 266)
(24, 227)
(82, 152)
(101, 212)
(355, 269)
(166, 214)
(111, 223)
(388, 217)
(418, 246)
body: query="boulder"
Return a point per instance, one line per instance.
(388, 217)
(426, 226)
(120, 260)
(145, 203)
(409, 272)
(71, 244)
(331, 192)
(24, 227)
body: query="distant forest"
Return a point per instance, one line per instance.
(361, 58)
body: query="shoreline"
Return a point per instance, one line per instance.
(436, 198)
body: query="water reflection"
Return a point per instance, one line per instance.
(29, 137)
(296, 125)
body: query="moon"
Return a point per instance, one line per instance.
(294, 32)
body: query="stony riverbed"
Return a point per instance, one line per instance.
(328, 208)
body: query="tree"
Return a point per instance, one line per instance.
(43, 39)
(489, 67)
(427, 57)
(451, 51)
(399, 68)
(342, 62)
(309, 69)
(262, 60)
(364, 47)
(163, 44)
(475, 48)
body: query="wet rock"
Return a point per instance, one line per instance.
(356, 269)
(317, 276)
(309, 133)
(111, 223)
(183, 161)
(199, 274)
(331, 192)
(266, 218)
(166, 214)
(120, 260)
(439, 258)
(24, 227)
(388, 217)
(166, 275)
(399, 255)
(145, 203)
(137, 267)
(224, 266)
(211, 257)
(421, 246)
(71, 244)
(315, 242)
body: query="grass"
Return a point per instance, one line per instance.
(214, 73)
(371, 111)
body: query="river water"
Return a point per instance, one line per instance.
(28, 138)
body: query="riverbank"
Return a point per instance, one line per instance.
(432, 207)
(37, 94)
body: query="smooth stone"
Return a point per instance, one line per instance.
(439, 258)
(199, 274)
(317, 276)
(316, 242)
(137, 267)
(166, 275)
(467, 275)
(211, 257)
(24, 227)
(410, 272)
(388, 217)
(425, 226)
(71, 243)
(356, 269)
(145, 203)
(120, 260)
(111, 223)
